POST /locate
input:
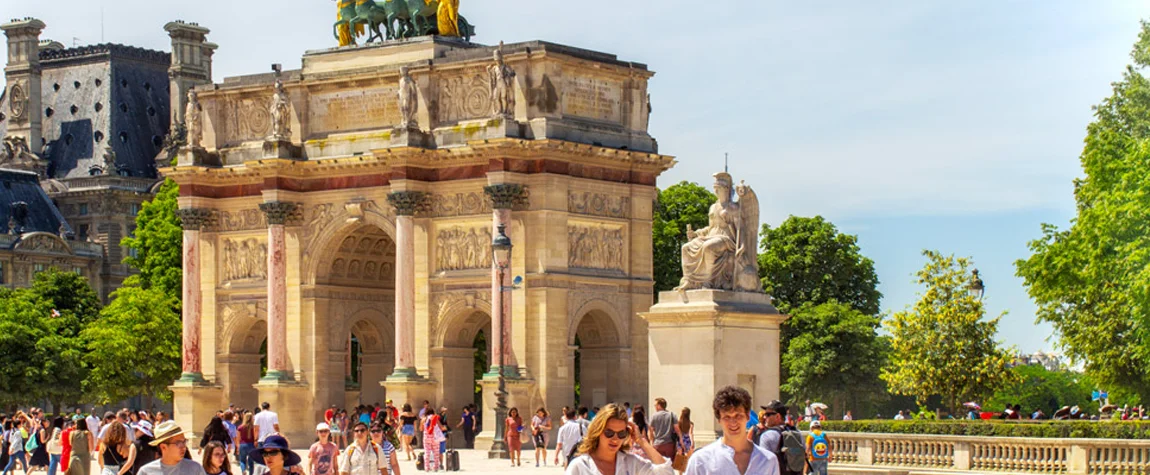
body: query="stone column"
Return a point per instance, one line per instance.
(278, 213)
(406, 204)
(503, 198)
(192, 220)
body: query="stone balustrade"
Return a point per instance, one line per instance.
(906, 453)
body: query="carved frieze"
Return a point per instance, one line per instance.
(460, 248)
(242, 220)
(460, 204)
(245, 259)
(466, 96)
(43, 243)
(599, 204)
(595, 247)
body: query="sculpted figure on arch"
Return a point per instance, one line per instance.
(724, 255)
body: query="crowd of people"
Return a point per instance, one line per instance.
(616, 438)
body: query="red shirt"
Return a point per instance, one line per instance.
(66, 443)
(327, 415)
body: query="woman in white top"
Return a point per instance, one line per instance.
(604, 448)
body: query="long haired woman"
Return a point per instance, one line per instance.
(605, 446)
(116, 454)
(215, 460)
(512, 433)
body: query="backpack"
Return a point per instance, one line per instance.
(792, 453)
(820, 448)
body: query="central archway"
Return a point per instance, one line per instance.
(353, 297)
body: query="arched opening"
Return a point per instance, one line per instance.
(598, 360)
(465, 357)
(245, 362)
(354, 304)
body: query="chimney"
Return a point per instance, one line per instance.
(23, 79)
(191, 63)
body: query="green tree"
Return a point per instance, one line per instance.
(73, 305)
(1092, 280)
(820, 277)
(679, 205)
(1035, 387)
(134, 347)
(158, 243)
(838, 359)
(40, 332)
(943, 346)
(807, 261)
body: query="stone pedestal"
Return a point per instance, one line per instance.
(197, 157)
(194, 403)
(703, 340)
(412, 390)
(275, 148)
(519, 391)
(410, 137)
(292, 402)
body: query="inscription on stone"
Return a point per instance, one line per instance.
(593, 98)
(354, 110)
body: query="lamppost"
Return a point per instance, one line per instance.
(501, 254)
(977, 286)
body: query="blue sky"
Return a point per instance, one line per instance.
(915, 124)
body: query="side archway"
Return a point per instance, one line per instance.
(241, 364)
(601, 359)
(462, 353)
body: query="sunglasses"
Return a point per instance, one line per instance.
(270, 453)
(618, 435)
(769, 414)
(357, 431)
(377, 431)
(182, 443)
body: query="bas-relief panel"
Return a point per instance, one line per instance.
(244, 119)
(592, 98)
(460, 204)
(459, 248)
(464, 96)
(373, 108)
(245, 259)
(241, 220)
(596, 246)
(599, 204)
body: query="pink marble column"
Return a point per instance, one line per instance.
(277, 213)
(192, 220)
(406, 204)
(503, 198)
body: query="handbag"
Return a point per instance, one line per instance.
(680, 462)
(33, 442)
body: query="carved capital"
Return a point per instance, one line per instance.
(506, 196)
(407, 203)
(279, 212)
(194, 219)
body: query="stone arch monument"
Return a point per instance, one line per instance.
(318, 214)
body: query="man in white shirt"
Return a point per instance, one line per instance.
(266, 422)
(733, 454)
(570, 436)
(900, 416)
(363, 457)
(93, 422)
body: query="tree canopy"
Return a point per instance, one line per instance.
(40, 332)
(135, 346)
(807, 261)
(1092, 280)
(837, 358)
(1035, 387)
(679, 205)
(942, 345)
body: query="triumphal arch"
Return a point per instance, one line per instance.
(338, 222)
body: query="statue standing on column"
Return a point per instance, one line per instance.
(408, 100)
(280, 113)
(724, 255)
(502, 86)
(192, 120)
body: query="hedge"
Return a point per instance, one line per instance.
(999, 428)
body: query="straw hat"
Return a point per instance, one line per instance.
(166, 430)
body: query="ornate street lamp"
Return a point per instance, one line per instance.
(977, 286)
(501, 254)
